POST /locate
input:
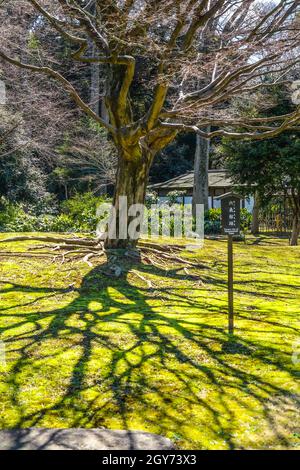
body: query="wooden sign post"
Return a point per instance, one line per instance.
(230, 209)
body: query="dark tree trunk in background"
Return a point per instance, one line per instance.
(95, 69)
(103, 110)
(255, 216)
(295, 230)
(95, 86)
(201, 162)
(96, 100)
(294, 201)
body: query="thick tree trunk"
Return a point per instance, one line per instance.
(131, 182)
(200, 190)
(255, 216)
(295, 230)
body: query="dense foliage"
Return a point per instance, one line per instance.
(270, 167)
(212, 221)
(78, 214)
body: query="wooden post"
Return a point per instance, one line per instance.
(230, 213)
(230, 286)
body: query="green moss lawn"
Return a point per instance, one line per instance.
(85, 350)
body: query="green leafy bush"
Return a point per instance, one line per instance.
(8, 212)
(77, 214)
(63, 223)
(151, 198)
(246, 219)
(212, 221)
(175, 197)
(213, 215)
(81, 211)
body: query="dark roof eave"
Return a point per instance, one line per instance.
(217, 179)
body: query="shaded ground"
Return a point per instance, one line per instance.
(81, 439)
(84, 350)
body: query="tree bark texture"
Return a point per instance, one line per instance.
(255, 216)
(295, 230)
(201, 190)
(131, 182)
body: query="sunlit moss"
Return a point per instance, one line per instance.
(84, 350)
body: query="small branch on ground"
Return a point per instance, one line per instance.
(147, 281)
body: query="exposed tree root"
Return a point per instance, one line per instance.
(50, 239)
(39, 247)
(172, 257)
(164, 248)
(83, 249)
(25, 255)
(147, 281)
(70, 247)
(91, 255)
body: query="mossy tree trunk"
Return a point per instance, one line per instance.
(131, 183)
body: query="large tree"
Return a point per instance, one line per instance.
(156, 43)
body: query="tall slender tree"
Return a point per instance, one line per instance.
(201, 165)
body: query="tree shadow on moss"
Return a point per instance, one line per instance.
(168, 372)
